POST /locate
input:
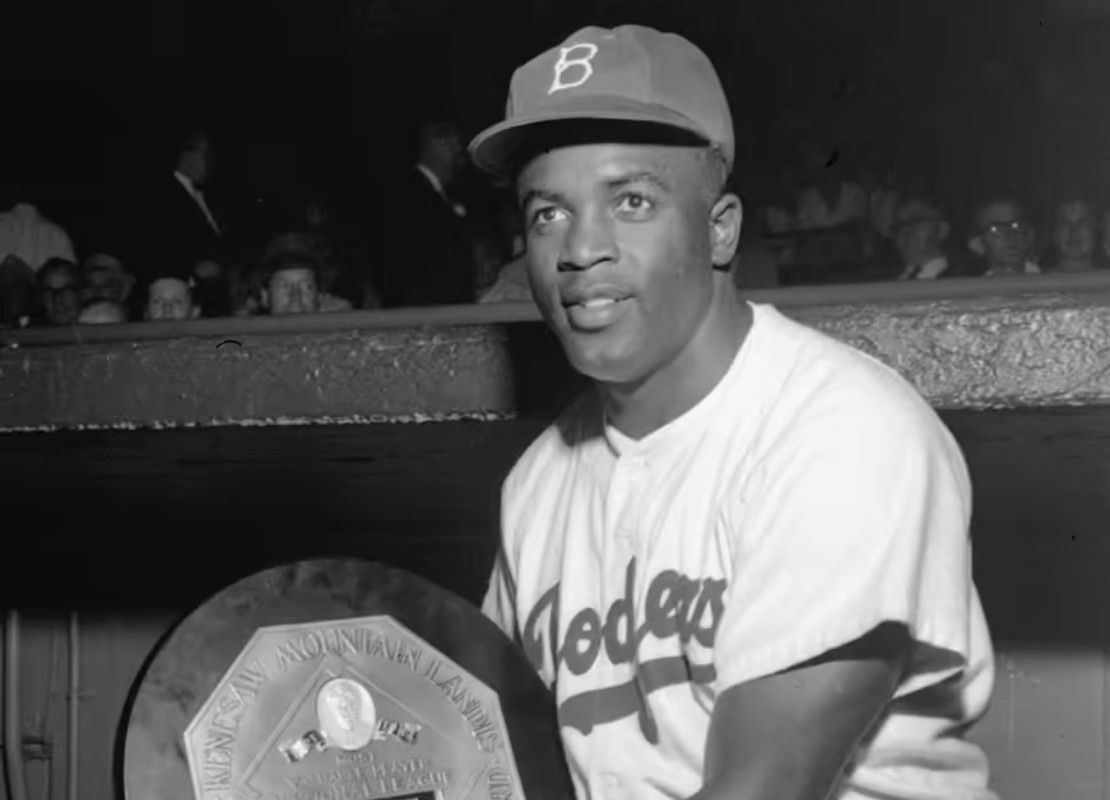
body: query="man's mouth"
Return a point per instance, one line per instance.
(595, 314)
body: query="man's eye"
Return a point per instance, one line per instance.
(545, 215)
(634, 203)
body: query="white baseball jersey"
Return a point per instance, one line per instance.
(809, 497)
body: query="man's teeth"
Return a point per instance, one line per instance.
(598, 301)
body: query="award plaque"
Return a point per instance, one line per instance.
(340, 680)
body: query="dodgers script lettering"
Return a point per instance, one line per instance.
(675, 606)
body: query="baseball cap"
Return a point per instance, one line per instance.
(628, 74)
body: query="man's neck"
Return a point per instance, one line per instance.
(638, 409)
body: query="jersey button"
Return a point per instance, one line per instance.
(626, 536)
(611, 787)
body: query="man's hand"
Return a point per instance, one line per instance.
(789, 736)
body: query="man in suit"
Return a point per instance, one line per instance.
(424, 253)
(182, 235)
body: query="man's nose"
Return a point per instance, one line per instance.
(590, 241)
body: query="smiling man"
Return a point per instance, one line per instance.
(742, 561)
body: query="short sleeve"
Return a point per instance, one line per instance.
(499, 603)
(854, 519)
(500, 600)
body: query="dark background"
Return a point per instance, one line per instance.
(972, 95)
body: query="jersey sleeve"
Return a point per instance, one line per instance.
(853, 520)
(499, 603)
(500, 600)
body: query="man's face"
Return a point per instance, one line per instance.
(1075, 232)
(169, 298)
(1005, 235)
(293, 291)
(61, 296)
(619, 253)
(452, 153)
(919, 240)
(103, 283)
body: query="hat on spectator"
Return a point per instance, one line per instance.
(630, 74)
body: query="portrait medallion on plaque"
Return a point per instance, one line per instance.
(354, 709)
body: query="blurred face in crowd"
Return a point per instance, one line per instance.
(293, 290)
(622, 240)
(102, 283)
(1005, 236)
(196, 160)
(1075, 232)
(102, 312)
(59, 287)
(444, 152)
(919, 233)
(170, 298)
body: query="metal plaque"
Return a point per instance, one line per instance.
(350, 709)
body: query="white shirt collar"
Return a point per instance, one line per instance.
(198, 196)
(434, 180)
(437, 184)
(187, 182)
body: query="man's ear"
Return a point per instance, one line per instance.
(725, 221)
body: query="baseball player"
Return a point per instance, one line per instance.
(742, 560)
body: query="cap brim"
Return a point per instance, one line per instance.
(502, 148)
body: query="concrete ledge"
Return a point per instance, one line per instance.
(1001, 343)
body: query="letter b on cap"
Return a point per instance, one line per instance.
(582, 68)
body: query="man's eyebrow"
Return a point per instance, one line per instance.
(640, 176)
(611, 184)
(533, 195)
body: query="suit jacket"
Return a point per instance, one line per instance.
(173, 234)
(423, 252)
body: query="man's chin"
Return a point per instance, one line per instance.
(601, 366)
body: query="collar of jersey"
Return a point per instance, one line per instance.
(671, 436)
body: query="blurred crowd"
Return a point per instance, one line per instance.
(436, 236)
(837, 223)
(424, 239)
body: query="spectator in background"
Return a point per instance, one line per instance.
(248, 290)
(1074, 238)
(511, 285)
(293, 288)
(1003, 238)
(58, 287)
(170, 299)
(32, 238)
(177, 229)
(17, 293)
(424, 251)
(920, 232)
(104, 277)
(829, 197)
(102, 312)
